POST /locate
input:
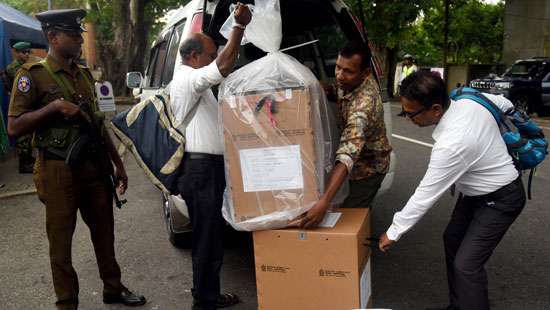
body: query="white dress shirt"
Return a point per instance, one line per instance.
(468, 151)
(202, 134)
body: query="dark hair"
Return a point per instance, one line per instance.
(426, 88)
(356, 48)
(191, 44)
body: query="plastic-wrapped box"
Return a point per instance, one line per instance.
(277, 142)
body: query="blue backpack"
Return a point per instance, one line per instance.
(524, 139)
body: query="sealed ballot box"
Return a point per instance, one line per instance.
(270, 156)
(325, 268)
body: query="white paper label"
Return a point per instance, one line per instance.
(365, 288)
(288, 93)
(330, 220)
(271, 168)
(105, 97)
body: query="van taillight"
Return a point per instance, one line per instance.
(196, 22)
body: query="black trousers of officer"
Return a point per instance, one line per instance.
(201, 186)
(474, 231)
(65, 190)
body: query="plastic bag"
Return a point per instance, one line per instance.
(278, 142)
(265, 28)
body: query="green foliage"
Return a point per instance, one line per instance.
(416, 27)
(475, 33)
(33, 7)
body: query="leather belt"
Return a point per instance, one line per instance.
(503, 191)
(203, 156)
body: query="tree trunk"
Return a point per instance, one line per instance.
(391, 54)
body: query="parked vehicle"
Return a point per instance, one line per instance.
(521, 83)
(328, 21)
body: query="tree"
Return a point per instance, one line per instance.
(123, 30)
(388, 23)
(475, 33)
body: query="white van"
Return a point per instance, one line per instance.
(328, 21)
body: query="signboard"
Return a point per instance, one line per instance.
(105, 96)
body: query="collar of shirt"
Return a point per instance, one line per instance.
(57, 67)
(440, 127)
(353, 94)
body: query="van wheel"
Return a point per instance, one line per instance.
(177, 226)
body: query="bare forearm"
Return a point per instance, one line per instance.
(228, 56)
(337, 178)
(30, 121)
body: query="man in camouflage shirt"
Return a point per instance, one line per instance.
(364, 151)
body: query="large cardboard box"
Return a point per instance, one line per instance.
(324, 268)
(269, 151)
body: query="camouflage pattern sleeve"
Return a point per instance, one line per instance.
(353, 136)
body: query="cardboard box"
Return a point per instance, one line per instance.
(324, 268)
(269, 152)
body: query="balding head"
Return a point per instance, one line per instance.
(198, 50)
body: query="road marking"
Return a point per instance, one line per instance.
(412, 141)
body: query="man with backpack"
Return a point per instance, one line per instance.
(469, 152)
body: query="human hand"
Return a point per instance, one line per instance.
(385, 242)
(68, 109)
(121, 179)
(313, 217)
(242, 14)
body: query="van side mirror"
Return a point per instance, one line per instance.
(133, 79)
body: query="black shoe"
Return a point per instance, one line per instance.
(125, 297)
(224, 300)
(449, 307)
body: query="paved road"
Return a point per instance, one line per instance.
(411, 276)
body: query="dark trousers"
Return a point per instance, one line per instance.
(201, 186)
(65, 190)
(363, 191)
(474, 231)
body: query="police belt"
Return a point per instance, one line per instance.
(46, 155)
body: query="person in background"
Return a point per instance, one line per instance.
(21, 50)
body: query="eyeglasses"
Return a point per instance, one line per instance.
(25, 52)
(411, 115)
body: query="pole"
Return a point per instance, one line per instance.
(446, 39)
(49, 5)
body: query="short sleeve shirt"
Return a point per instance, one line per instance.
(34, 88)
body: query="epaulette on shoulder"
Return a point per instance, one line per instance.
(29, 66)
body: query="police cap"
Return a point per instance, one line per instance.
(67, 20)
(21, 46)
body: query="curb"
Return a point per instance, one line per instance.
(18, 193)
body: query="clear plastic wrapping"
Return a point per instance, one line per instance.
(278, 142)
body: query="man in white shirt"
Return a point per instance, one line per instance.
(469, 152)
(203, 178)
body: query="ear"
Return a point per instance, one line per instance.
(438, 109)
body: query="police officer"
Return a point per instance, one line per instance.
(69, 174)
(22, 51)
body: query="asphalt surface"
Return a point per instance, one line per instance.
(410, 276)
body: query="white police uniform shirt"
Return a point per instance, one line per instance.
(202, 134)
(468, 151)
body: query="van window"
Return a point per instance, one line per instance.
(156, 64)
(172, 54)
